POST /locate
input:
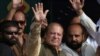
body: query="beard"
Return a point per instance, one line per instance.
(74, 45)
(10, 41)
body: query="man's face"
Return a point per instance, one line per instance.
(11, 34)
(20, 18)
(75, 37)
(54, 35)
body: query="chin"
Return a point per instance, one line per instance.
(20, 31)
(55, 44)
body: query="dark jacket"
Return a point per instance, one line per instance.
(5, 50)
(35, 46)
(47, 50)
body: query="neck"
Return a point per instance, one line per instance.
(57, 48)
(21, 40)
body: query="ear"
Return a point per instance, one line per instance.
(25, 23)
(84, 38)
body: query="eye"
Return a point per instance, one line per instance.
(11, 33)
(59, 34)
(77, 35)
(21, 22)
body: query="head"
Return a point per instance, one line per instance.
(54, 34)
(75, 19)
(9, 32)
(20, 18)
(75, 36)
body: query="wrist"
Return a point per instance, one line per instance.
(14, 7)
(79, 12)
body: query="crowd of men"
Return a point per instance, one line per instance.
(15, 42)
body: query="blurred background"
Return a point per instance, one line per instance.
(60, 10)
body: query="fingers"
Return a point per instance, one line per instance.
(39, 7)
(71, 1)
(38, 11)
(82, 2)
(46, 12)
(33, 9)
(16, 3)
(36, 7)
(75, 1)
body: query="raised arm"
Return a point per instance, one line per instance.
(15, 5)
(85, 20)
(35, 29)
(39, 16)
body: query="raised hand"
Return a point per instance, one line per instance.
(17, 3)
(39, 14)
(77, 5)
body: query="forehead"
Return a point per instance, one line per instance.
(11, 28)
(19, 16)
(56, 28)
(75, 29)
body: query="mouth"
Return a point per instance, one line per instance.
(13, 39)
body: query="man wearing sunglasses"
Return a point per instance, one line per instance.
(18, 16)
(9, 31)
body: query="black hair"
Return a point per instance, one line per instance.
(6, 23)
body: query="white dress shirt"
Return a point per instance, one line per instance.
(91, 27)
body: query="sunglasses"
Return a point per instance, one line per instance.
(21, 22)
(11, 33)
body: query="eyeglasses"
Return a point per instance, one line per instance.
(11, 33)
(21, 22)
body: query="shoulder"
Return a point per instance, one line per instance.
(88, 50)
(5, 50)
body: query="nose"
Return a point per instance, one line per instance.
(74, 38)
(15, 35)
(19, 25)
(56, 36)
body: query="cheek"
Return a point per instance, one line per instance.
(60, 38)
(8, 36)
(50, 38)
(80, 39)
(22, 26)
(69, 39)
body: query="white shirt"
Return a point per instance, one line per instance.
(86, 50)
(91, 41)
(91, 27)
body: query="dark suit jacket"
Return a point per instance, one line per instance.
(5, 50)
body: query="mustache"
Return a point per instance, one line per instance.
(74, 42)
(20, 28)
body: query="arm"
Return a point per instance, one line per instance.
(35, 30)
(85, 20)
(15, 5)
(34, 43)
(88, 24)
